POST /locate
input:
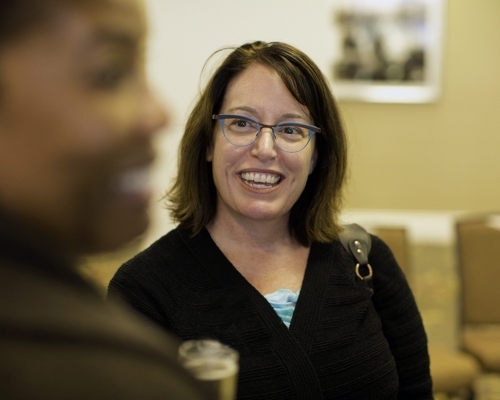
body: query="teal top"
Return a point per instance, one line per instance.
(283, 301)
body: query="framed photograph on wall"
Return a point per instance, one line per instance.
(387, 51)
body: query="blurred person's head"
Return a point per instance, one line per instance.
(193, 199)
(76, 119)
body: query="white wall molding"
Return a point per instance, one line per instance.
(436, 227)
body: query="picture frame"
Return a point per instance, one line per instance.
(387, 51)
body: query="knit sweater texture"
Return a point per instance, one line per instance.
(343, 343)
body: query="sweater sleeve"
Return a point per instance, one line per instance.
(135, 284)
(401, 323)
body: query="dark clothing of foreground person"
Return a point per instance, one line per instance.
(60, 340)
(342, 343)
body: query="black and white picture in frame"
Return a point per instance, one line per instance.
(387, 51)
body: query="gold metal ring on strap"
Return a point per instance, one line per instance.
(370, 272)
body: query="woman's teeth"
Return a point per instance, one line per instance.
(260, 180)
(133, 182)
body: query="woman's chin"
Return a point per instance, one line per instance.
(265, 214)
(111, 234)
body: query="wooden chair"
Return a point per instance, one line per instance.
(453, 372)
(478, 251)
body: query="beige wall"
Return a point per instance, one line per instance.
(444, 155)
(439, 156)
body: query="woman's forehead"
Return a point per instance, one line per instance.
(115, 19)
(256, 87)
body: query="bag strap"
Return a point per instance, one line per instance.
(358, 243)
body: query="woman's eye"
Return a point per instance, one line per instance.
(241, 124)
(109, 78)
(290, 130)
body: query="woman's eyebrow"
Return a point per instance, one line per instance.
(253, 111)
(128, 41)
(294, 116)
(248, 109)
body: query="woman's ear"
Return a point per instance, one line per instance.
(314, 159)
(210, 153)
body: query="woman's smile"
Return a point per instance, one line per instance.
(133, 184)
(260, 180)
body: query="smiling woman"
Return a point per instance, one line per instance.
(261, 168)
(77, 122)
(74, 103)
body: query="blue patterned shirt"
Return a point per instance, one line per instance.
(283, 301)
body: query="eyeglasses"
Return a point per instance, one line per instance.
(244, 131)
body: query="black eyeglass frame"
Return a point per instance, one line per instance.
(312, 129)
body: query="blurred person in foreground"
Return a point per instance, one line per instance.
(256, 262)
(76, 125)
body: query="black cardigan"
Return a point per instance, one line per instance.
(342, 343)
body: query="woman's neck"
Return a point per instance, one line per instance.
(264, 252)
(251, 233)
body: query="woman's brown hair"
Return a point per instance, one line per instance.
(314, 217)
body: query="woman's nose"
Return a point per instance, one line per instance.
(264, 147)
(154, 115)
